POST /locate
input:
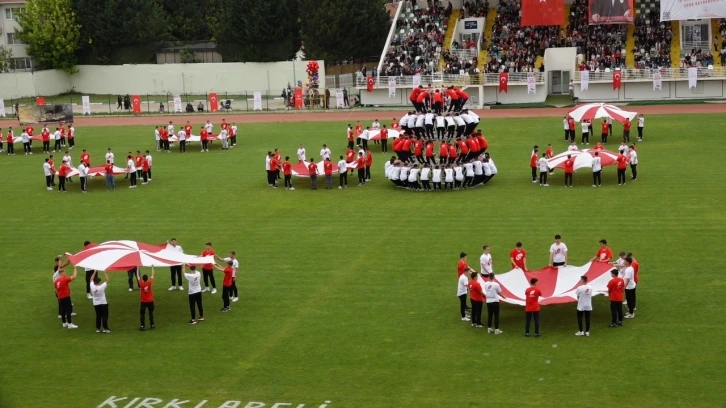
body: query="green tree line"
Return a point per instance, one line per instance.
(63, 33)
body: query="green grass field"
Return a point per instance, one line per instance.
(349, 296)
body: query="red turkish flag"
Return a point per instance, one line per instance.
(370, 84)
(40, 101)
(503, 82)
(543, 13)
(213, 102)
(617, 77)
(136, 103)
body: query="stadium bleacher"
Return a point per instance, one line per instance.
(599, 47)
(652, 37)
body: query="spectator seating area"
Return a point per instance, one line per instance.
(599, 47)
(722, 46)
(513, 48)
(652, 37)
(416, 46)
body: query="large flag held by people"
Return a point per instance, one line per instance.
(543, 13)
(125, 255)
(675, 10)
(300, 169)
(592, 111)
(583, 159)
(376, 134)
(558, 285)
(611, 12)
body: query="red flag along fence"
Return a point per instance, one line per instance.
(213, 102)
(369, 83)
(610, 11)
(543, 12)
(136, 103)
(503, 82)
(617, 79)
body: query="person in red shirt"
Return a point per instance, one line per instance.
(351, 137)
(569, 169)
(208, 269)
(604, 129)
(438, 99)
(483, 144)
(462, 265)
(626, 130)
(636, 267)
(85, 158)
(71, 136)
(476, 296)
(454, 99)
(571, 125)
(187, 130)
(145, 168)
(224, 125)
(549, 153)
(418, 146)
(63, 292)
(394, 124)
(63, 135)
(361, 166)
(452, 153)
(313, 172)
(369, 163)
(226, 285)
(430, 159)
(463, 97)
(287, 172)
(63, 172)
(350, 157)
(328, 171)
(45, 135)
(110, 178)
(443, 152)
(533, 163)
(463, 150)
(384, 139)
(147, 298)
(139, 163)
(274, 169)
(422, 101)
(204, 137)
(473, 146)
(406, 149)
(413, 96)
(532, 307)
(622, 166)
(164, 135)
(604, 254)
(518, 256)
(616, 291)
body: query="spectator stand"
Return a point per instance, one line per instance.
(599, 47)
(651, 38)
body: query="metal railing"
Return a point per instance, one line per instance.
(515, 78)
(464, 54)
(635, 75)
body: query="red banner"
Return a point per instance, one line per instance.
(213, 102)
(611, 11)
(136, 103)
(298, 98)
(503, 82)
(617, 77)
(369, 84)
(40, 101)
(543, 13)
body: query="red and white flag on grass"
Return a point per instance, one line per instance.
(543, 13)
(503, 82)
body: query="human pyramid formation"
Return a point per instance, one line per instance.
(96, 288)
(482, 287)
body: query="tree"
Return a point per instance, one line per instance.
(193, 20)
(6, 59)
(259, 31)
(50, 30)
(336, 30)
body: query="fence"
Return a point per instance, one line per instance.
(518, 78)
(647, 74)
(163, 104)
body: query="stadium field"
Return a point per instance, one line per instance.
(347, 298)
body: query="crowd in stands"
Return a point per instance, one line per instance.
(722, 46)
(598, 46)
(697, 58)
(472, 9)
(417, 51)
(513, 48)
(652, 40)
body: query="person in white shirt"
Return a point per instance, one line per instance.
(492, 292)
(412, 117)
(633, 156)
(57, 137)
(492, 166)
(209, 127)
(413, 178)
(170, 128)
(223, 135)
(48, 175)
(572, 147)
(376, 125)
(157, 138)
(449, 178)
(233, 134)
(11, 140)
(629, 278)
(404, 122)
(420, 130)
(641, 125)
(450, 126)
(429, 123)
(404, 175)
(610, 125)
(69, 161)
(26, 143)
(195, 293)
(342, 173)
(176, 270)
(131, 171)
(150, 160)
(458, 176)
(469, 124)
(425, 174)
(543, 170)
(624, 148)
(100, 304)
(485, 261)
(440, 127)
(324, 153)
(461, 292)
(596, 170)
(474, 116)
(436, 178)
(558, 252)
(584, 306)
(301, 153)
(469, 174)
(109, 156)
(487, 169)
(585, 131)
(364, 136)
(395, 174)
(82, 174)
(460, 125)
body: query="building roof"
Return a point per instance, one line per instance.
(12, 1)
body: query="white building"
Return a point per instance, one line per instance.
(9, 9)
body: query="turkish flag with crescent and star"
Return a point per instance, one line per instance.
(543, 13)
(503, 82)
(213, 102)
(136, 103)
(617, 77)
(369, 84)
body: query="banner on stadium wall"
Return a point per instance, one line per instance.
(213, 102)
(611, 11)
(542, 13)
(257, 101)
(674, 10)
(339, 99)
(86, 100)
(692, 77)
(531, 84)
(657, 81)
(298, 98)
(391, 87)
(177, 103)
(584, 80)
(2, 108)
